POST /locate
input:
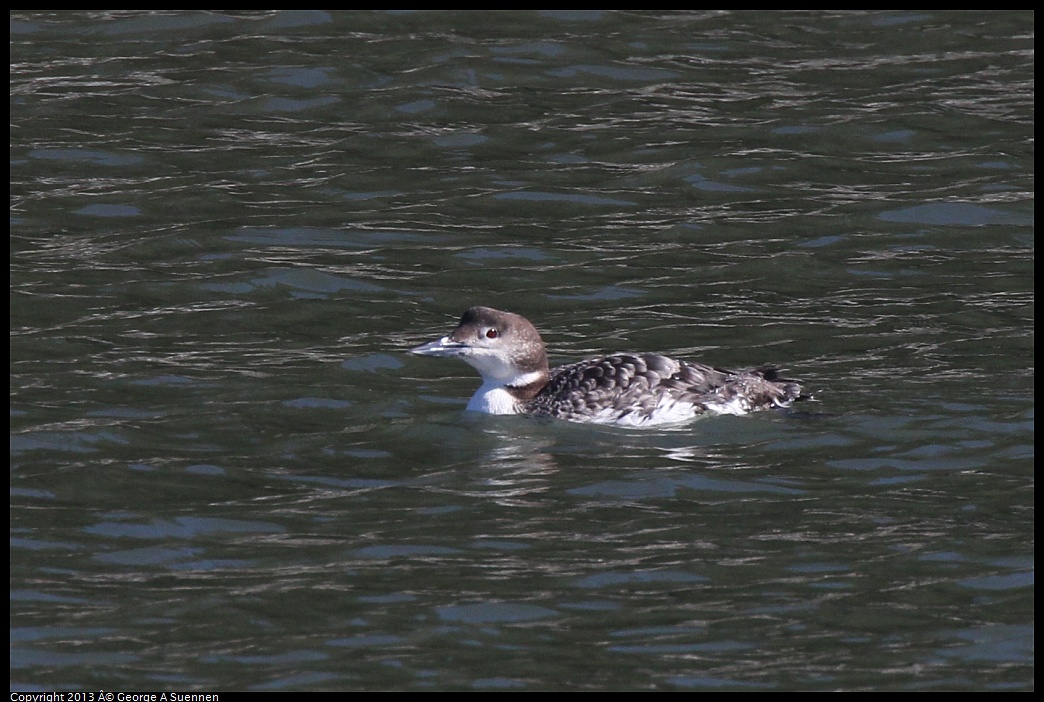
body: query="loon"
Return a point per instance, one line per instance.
(627, 389)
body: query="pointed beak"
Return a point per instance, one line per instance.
(441, 348)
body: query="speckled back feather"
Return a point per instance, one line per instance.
(635, 387)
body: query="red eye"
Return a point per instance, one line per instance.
(492, 333)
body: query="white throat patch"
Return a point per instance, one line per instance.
(493, 398)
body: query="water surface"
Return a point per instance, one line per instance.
(228, 227)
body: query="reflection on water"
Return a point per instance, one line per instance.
(227, 228)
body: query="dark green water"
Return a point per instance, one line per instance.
(226, 229)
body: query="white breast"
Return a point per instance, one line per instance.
(493, 398)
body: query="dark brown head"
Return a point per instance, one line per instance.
(502, 346)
